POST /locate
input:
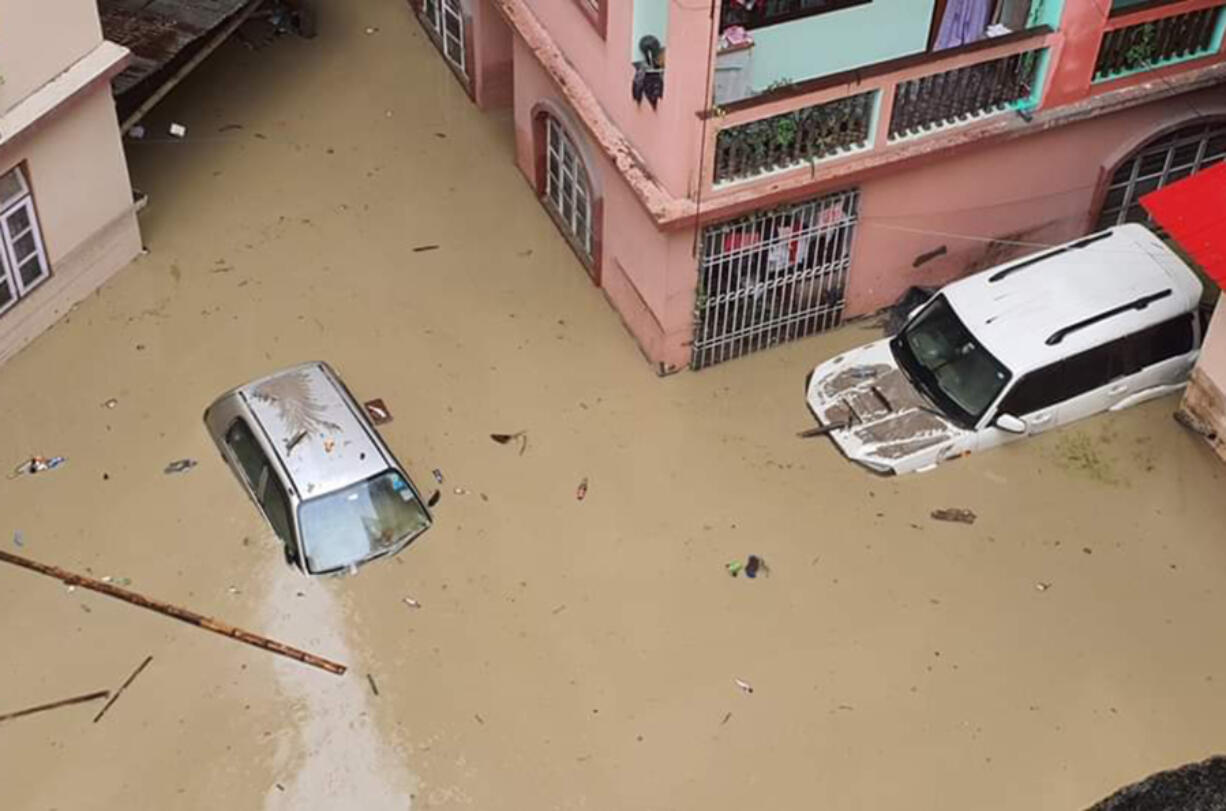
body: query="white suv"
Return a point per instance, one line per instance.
(1098, 324)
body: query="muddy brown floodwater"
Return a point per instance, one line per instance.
(566, 654)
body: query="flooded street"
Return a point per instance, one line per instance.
(566, 654)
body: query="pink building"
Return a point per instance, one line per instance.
(67, 218)
(738, 173)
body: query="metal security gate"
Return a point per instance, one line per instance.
(446, 20)
(773, 276)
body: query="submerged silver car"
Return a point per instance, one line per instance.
(313, 463)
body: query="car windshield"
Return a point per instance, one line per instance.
(360, 522)
(941, 357)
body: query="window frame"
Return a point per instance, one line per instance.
(1113, 11)
(584, 243)
(788, 16)
(9, 281)
(1125, 356)
(253, 483)
(436, 14)
(265, 478)
(10, 268)
(597, 13)
(1116, 353)
(1166, 144)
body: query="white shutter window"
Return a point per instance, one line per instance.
(567, 190)
(23, 256)
(8, 289)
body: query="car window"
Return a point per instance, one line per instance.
(1163, 341)
(1070, 378)
(250, 458)
(276, 507)
(947, 364)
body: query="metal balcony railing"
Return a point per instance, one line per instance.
(1153, 43)
(795, 137)
(762, 13)
(960, 94)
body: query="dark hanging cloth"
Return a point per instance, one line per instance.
(648, 83)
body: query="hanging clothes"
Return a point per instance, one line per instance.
(964, 22)
(1012, 14)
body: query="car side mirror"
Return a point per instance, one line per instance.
(1010, 423)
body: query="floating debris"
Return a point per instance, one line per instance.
(66, 702)
(1042, 586)
(178, 130)
(438, 475)
(956, 515)
(754, 564)
(122, 687)
(180, 466)
(294, 441)
(111, 403)
(503, 439)
(743, 685)
(581, 490)
(37, 464)
(374, 688)
(378, 411)
(411, 603)
(434, 499)
(419, 248)
(18, 539)
(72, 580)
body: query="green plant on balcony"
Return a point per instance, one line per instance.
(1143, 48)
(786, 128)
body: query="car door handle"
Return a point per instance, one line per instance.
(1040, 419)
(1119, 388)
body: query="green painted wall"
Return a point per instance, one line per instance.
(1046, 12)
(837, 40)
(650, 17)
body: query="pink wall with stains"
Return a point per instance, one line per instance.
(668, 137)
(491, 40)
(1081, 30)
(1041, 188)
(649, 275)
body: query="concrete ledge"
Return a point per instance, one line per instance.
(74, 276)
(670, 212)
(660, 204)
(100, 64)
(1205, 403)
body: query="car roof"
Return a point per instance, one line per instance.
(1019, 310)
(337, 447)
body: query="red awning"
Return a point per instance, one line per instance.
(1193, 211)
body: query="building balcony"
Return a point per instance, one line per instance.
(1137, 41)
(876, 107)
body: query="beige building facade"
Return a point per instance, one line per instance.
(67, 217)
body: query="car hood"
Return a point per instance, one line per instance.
(887, 425)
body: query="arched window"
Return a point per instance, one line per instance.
(567, 188)
(1164, 160)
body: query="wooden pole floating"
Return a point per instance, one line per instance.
(122, 687)
(181, 614)
(64, 702)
